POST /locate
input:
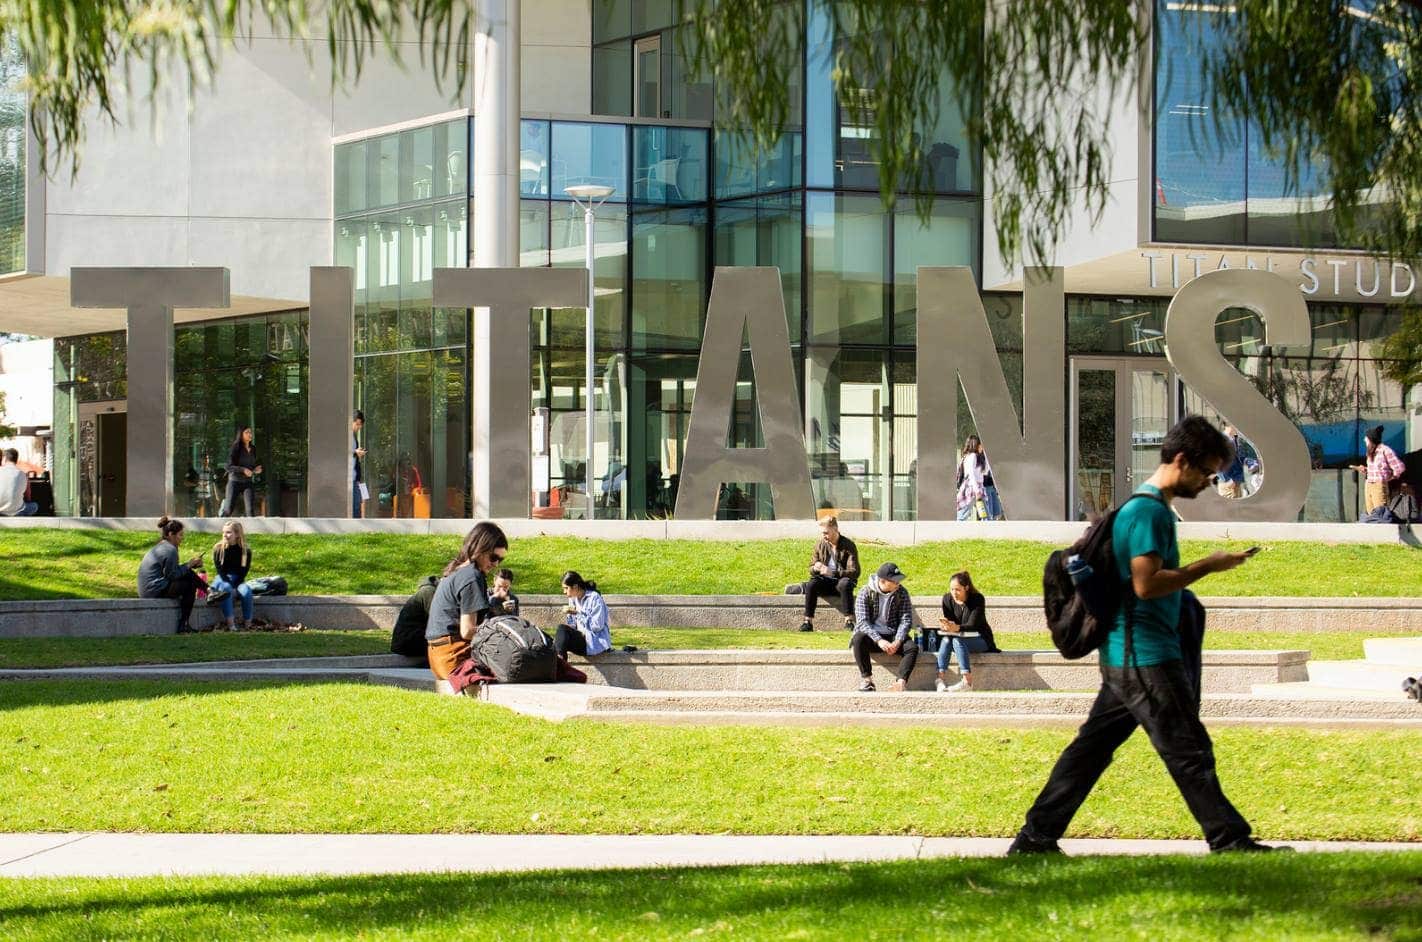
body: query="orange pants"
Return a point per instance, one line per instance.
(445, 656)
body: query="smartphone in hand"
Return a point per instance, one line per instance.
(1253, 550)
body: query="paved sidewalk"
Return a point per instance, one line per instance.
(133, 855)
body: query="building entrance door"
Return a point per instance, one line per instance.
(103, 458)
(1121, 408)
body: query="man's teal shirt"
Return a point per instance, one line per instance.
(1144, 526)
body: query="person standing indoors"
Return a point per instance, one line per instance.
(231, 560)
(161, 576)
(834, 572)
(357, 453)
(242, 469)
(883, 615)
(1144, 678)
(13, 484)
(586, 630)
(461, 602)
(1383, 470)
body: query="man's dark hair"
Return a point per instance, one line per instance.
(358, 417)
(506, 574)
(1199, 441)
(12, 456)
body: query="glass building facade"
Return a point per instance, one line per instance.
(690, 194)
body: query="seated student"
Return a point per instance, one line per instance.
(586, 630)
(882, 618)
(408, 636)
(231, 558)
(13, 485)
(965, 629)
(834, 570)
(161, 576)
(501, 597)
(461, 602)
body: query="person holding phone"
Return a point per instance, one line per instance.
(161, 576)
(964, 629)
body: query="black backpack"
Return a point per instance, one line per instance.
(268, 585)
(408, 636)
(1080, 615)
(515, 651)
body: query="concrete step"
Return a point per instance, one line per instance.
(1395, 651)
(1360, 675)
(1306, 690)
(1224, 671)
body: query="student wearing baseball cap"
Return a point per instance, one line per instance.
(882, 618)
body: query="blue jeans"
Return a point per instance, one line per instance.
(27, 509)
(994, 503)
(355, 500)
(243, 591)
(961, 647)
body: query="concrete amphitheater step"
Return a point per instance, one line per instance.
(1361, 675)
(1394, 651)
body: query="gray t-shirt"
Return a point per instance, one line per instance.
(462, 592)
(159, 568)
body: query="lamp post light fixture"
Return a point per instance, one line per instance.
(589, 196)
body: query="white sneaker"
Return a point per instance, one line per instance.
(960, 686)
(940, 686)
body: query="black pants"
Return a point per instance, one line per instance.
(184, 589)
(235, 487)
(824, 586)
(865, 645)
(570, 639)
(1162, 699)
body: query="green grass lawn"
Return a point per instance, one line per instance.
(50, 564)
(18, 653)
(1347, 896)
(155, 756)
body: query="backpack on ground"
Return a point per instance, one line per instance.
(515, 651)
(408, 636)
(1081, 591)
(268, 585)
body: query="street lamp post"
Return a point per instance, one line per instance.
(589, 196)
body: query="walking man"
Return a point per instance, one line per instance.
(357, 453)
(1154, 690)
(834, 571)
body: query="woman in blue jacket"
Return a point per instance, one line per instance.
(586, 629)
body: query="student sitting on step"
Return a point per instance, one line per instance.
(461, 602)
(882, 618)
(834, 571)
(964, 629)
(501, 596)
(585, 630)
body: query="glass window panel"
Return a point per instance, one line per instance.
(612, 78)
(647, 77)
(659, 393)
(451, 234)
(1278, 213)
(533, 158)
(686, 93)
(648, 15)
(417, 261)
(589, 154)
(416, 164)
(743, 169)
(611, 19)
(12, 158)
(1199, 157)
(1375, 324)
(948, 162)
(669, 165)
(559, 384)
(451, 167)
(1116, 325)
(532, 233)
(765, 232)
(383, 171)
(948, 237)
(847, 261)
(848, 439)
(568, 250)
(350, 249)
(669, 267)
(904, 487)
(350, 196)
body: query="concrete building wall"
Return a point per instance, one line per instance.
(244, 179)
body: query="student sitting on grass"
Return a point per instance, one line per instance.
(964, 629)
(882, 618)
(161, 576)
(585, 630)
(231, 559)
(501, 597)
(461, 602)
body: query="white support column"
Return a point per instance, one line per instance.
(495, 209)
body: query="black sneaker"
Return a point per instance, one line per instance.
(849, 624)
(795, 588)
(186, 629)
(807, 625)
(1023, 844)
(1249, 845)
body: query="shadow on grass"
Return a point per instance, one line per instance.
(1369, 895)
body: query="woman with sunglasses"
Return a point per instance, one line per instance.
(461, 602)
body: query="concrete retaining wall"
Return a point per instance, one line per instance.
(104, 618)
